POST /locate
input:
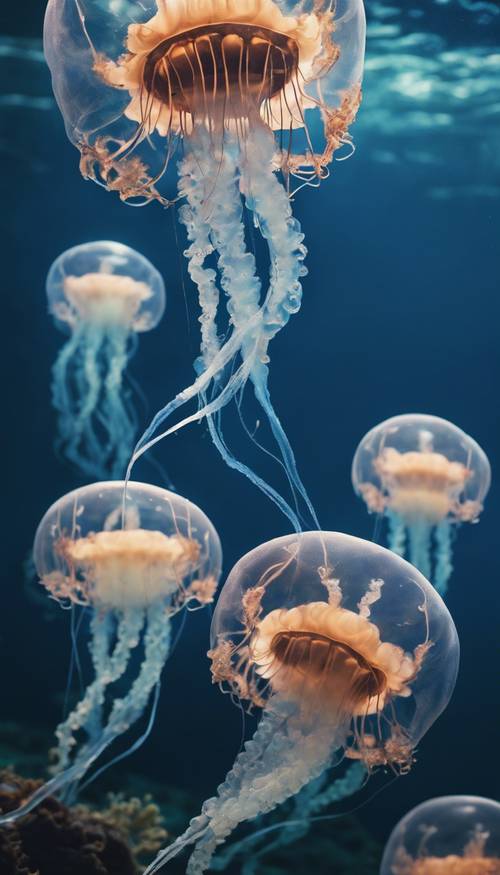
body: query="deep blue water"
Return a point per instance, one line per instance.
(401, 313)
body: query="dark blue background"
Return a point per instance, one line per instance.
(401, 313)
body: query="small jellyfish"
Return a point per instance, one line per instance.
(426, 476)
(345, 647)
(254, 98)
(132, 561)
(103, 294)
(452, 835)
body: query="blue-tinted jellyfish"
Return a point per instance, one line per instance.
(133, 563)
(103, 294)
(261, 94)
(452, 835)
(427, 476)
(348, 651)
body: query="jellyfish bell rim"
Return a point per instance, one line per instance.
(119, 485)
(431, 419)
(156, 284)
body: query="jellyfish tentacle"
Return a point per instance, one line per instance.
(205, 279)
(270, 205)
(215, 189)
(157, 642)
(76, 390)
(397, 534)
(84, 448)
(129, 709)
(313, 798)
(444, 564)
(62, 378)
(420, 538)
(236, 465)
(102, 632)
(287, 751)
(224, 234)
(117, 416)
(108, 671)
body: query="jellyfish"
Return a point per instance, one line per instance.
(133, 560)
(348, 651)
(260, 94)
(452, 835)
(427, 477)
(103, 294)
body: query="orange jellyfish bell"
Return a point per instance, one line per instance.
(124, 73)
(346, 649)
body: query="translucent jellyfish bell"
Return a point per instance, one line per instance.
(132, 79)
(452, 835)
(103, 294)
(427, 476)
(346, 648)
(94, 548)
(259, 93)
(133, 563)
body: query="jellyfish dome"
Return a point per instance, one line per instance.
(103, 294)
(346, 648)
(133, 560)
(133, 79)
(260, 93)
(452, 835)
(427, 476)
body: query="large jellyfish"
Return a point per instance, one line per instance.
(453, 835)
(134, 561)
(103, 294)
(261, 94)
(346, 648)
(427, 476)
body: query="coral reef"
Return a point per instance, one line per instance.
(55, 840)
(139, 820)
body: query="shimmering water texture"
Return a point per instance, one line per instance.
(103, 294)
(426, 477)
(341, 666)
(128, 566)
(453, 835)
(260, 95)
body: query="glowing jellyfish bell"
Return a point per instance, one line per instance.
(346, 648)
(133, 565)
(452, 835)
(427, 476)
(260, 92)
(103, 294)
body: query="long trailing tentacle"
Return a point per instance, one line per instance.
(444, 556)
(271, 208)
(213, 185)
(313, 798)
(286, 752)
(87, 715)
(214, 224)
(109, 666)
